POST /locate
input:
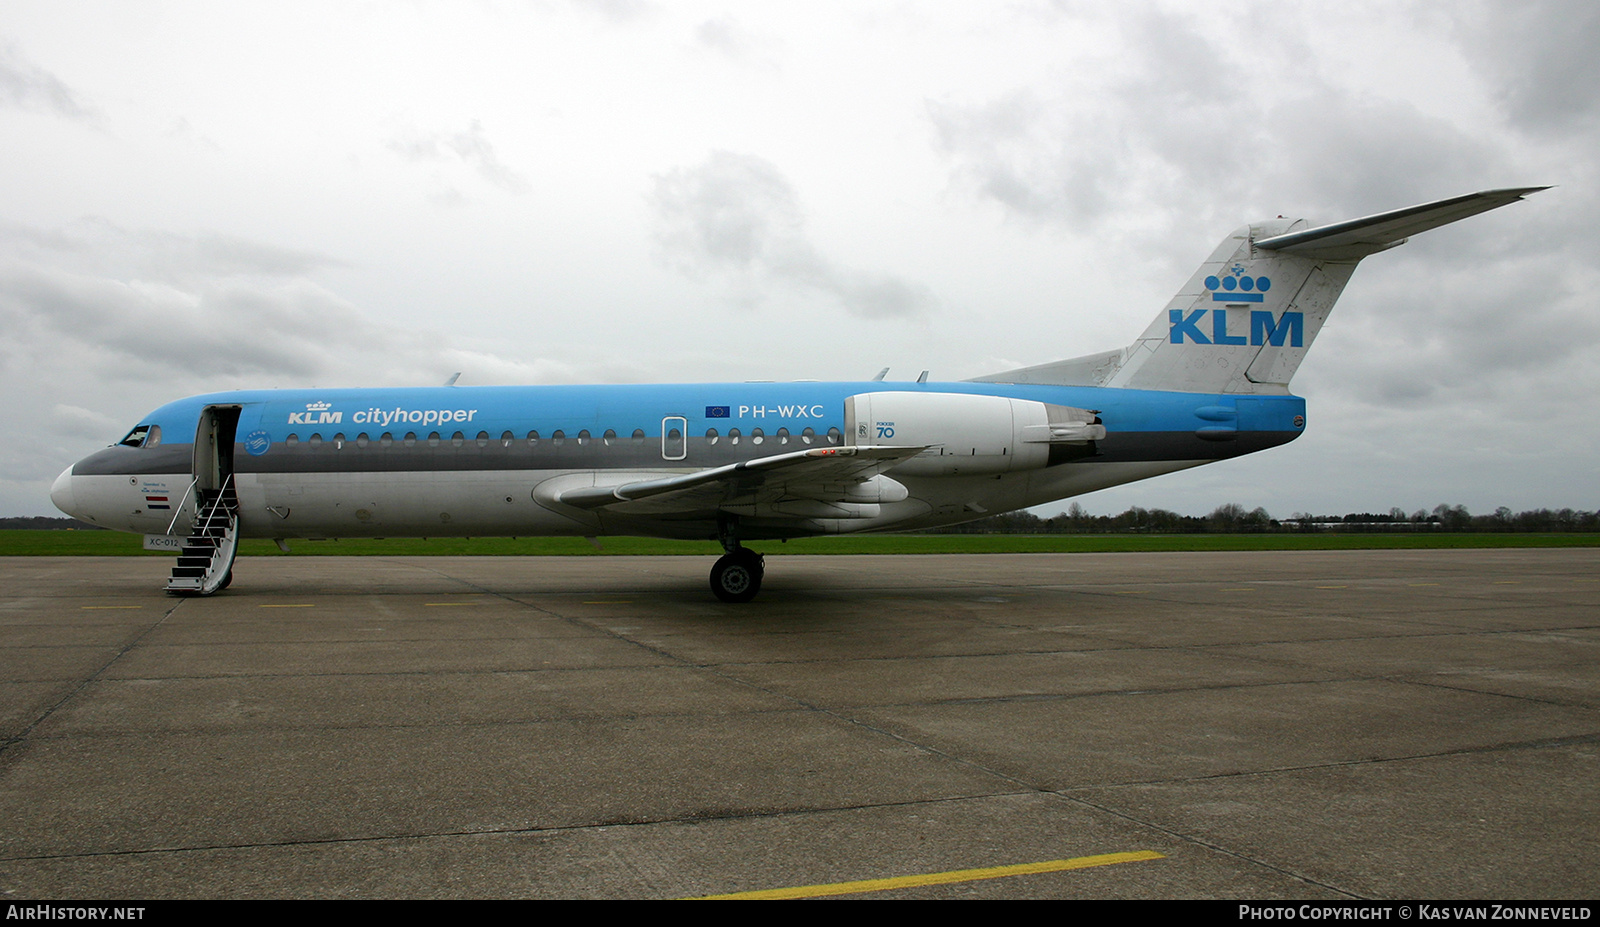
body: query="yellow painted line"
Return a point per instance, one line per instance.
(101, 608)
(307, 605)
(937, 878)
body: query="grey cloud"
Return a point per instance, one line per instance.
(1463, 333)
(94, 244)
(737, 213)
(731, 210)
(28, 86)
(84, 309)
(726, 36)
(618, 11)
(1161, 118)
(472, 147)
(1335, 151)
(1002, 152)
(1543, 53)
(1173, 120)
(140, 328)
(79, 422)
(722, 35)
(228, 254)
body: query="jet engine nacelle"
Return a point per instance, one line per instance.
(970, 434)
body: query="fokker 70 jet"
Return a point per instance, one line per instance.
(1208, 380)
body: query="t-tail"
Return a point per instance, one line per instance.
(1245, 320)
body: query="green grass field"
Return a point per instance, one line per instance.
(112, 544)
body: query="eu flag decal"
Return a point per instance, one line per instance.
(716, 411)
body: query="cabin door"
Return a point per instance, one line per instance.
(213, 446)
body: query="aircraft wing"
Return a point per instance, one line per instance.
(825, 474)
(1357, 238)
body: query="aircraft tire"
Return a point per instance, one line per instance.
(227, 580)
(736, 577)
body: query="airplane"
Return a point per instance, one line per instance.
(735, 462)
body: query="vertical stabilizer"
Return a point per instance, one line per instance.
(1241, 324)
(1247, 317)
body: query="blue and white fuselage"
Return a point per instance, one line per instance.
(1208, 380)
(452, 461)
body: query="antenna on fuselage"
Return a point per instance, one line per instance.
(881, 374)
(453, 378)
(923, 378)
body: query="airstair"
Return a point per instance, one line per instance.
(206, 563)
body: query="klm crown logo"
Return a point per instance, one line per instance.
(1238, 287)
(318, 406)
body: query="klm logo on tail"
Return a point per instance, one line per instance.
(1234, 287)
(1264, 329)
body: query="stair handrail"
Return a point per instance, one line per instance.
(177, 511)
(210, 514)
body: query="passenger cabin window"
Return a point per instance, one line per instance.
(733, 436)
(338, 441)
(583, 438)
(315, 440)
(386, 440)
(483, 439)
(783, 436)
(757, 436)
(808, 435)
(834, 436)
(362, 439)
(533, 438)
(507, 438)
(458, 439)
(292, 440)
(711, 436)
(610, 437)
(558, 437)
(433, 439)
(411, 439)
(638, 436)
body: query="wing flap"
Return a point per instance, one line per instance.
(815, 473)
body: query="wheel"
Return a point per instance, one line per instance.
(736, 577)
(227, 580)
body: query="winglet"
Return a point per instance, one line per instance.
(1357, 238)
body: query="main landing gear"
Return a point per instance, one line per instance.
(736, 576)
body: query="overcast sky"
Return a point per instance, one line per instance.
(216, 195)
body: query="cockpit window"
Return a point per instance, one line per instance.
(142, 436)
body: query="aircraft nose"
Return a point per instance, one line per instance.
(61, 493)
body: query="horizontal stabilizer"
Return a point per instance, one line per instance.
(1357, 238)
